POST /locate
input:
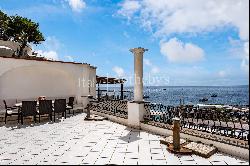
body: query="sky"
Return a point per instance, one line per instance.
(191, 42)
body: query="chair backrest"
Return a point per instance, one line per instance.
(71, 101)
(45, 107)
(5, 104)
(29, 108)
(60, 105)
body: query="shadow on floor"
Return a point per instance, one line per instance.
(132, 136)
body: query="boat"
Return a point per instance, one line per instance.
(145, 97)
(214, 95)
(203, 99)
(164, 89)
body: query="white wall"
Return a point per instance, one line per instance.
(92, 78)
(26, 79)
(36, 80)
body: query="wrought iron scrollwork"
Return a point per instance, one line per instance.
(213, 123)
(112, 107)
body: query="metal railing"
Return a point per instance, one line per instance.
(226, 126)
(221, 125)
(117, 108)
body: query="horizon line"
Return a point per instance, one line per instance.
(181, 85)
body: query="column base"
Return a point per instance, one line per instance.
(182, 150)
(136, 112)
(95, 118)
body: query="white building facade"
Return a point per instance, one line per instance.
(22, 79)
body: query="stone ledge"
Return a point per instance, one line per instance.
(196, 148)
(222, 147)
(139, 102)
(201, 149)
(169, 140)
(111, 117)
(201, 134)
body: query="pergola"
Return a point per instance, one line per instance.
(109, 80)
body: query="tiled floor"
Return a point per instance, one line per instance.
(75, 141)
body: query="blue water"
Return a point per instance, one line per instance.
(231, 95)
(191, 95)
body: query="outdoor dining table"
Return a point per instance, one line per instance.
(20, 104)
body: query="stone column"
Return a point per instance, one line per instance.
(176, 134)
(138, 71)
(136, 108)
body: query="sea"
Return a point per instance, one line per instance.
(176, 95)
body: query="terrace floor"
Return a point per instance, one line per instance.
(75, 141)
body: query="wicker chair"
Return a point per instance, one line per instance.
(45, 107)
(60, 107)
(28, 109)
(70, 105)
(11, 111)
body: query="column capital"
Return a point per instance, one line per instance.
(138, 50)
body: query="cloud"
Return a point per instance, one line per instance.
(125, 34)
(77, 5)
(200, 75)
(147, 62)
(69, 58)
(154, 69)
(246, 48)
(50, 55)
(52, 43)
(240, 50)
(49, 48)
(177, 51)
(169, 17)
(177, 16)
(222, 73)
(119, 71)
(245, 60)
(128, 8)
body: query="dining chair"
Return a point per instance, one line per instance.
(70, 105)
(28, 109)
(60, 107)
(45, 107)
(10, 111)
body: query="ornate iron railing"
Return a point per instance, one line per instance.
(117, 108)
(222, 125)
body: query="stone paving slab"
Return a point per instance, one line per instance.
(74, 141)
